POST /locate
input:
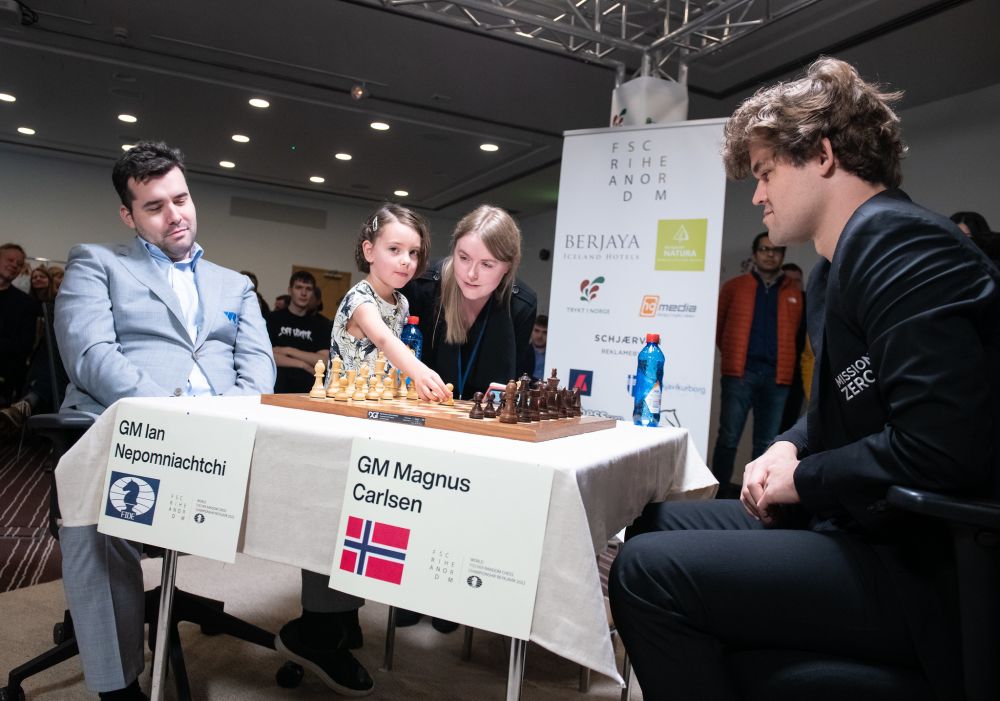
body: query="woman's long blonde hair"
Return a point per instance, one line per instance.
(502, 237)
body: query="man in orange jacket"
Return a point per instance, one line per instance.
(759, 316)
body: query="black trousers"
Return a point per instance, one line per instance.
(697, 581)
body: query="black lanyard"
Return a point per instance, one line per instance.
(464, 376)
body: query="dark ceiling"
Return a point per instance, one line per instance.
(187, 68)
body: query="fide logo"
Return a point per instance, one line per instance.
(132, 498)
(474, 582)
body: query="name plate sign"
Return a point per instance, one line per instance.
(454, 536)
(177, 481)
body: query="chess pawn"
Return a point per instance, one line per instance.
(317, 391)
(508, 415)
(359, 389)
(477, 411)
(351, 377)
(387, 391)
(489, 412)
(342, 394)
(411, 390)
(374, 388)
(543, 403)
(449, 400)
(561, 403)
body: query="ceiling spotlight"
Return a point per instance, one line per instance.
(259, 103)
(317, 179)
(128, 118)
(127, 147)
(227, 164)
(342, 156)
(401, 193)
(27, 131)
(379, 126)
(241, 139)
(359, 91)
(489, 147)
(4, 97)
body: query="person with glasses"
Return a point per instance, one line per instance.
(758, 322)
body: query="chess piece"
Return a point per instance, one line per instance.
(534, 397)
(374, 389)
(575, 404)
(333, 384)
(341, 394)
(411, 390)
(317, 391)
(553, 381)
(508, 415)
(359, 389)
(477, 411)
(523, 414)
(387, 390)
(561, 403)
(489, 412)
(450, 399)
(380, 363)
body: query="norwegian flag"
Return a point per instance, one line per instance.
(374, 549)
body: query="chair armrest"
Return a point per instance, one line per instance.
(63, 421)
(973, 512)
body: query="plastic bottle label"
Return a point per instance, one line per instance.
(652, 399)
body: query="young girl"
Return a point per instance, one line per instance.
(393, 247)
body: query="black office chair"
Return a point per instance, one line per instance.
(777, 675)
(63, 430)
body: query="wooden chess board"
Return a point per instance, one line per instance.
(449, 418)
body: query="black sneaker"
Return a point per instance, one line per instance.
(352, 629)
(336, 667)
(443, 626)
(406, 618)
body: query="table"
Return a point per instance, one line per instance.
(297, 479)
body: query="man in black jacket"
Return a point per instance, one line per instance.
(905, 317)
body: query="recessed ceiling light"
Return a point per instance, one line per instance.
(401, 193)
(227, 164)
(5, 97)
(379, 126)
(489, 147)
(126, 147)
(128, 118)
(27, 131)
(317, 179)
(342, 156)
(241, 139)
(259, 103)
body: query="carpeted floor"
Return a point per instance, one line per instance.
(427, 663)
(28, 553)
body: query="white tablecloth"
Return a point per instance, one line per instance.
(602, 481)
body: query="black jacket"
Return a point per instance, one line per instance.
(505, 350)
(907, 392)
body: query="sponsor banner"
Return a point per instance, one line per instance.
(440, 533)
(637, 250)
(177, 481)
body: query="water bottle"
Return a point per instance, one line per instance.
(412, 336)
(648, 383)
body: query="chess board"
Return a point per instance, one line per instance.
(449, 418)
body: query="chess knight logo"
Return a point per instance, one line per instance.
(589, 288)
(132, 498)
(374, 549)
(582, 380)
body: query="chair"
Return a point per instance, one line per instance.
(776, 675)
(63, 430)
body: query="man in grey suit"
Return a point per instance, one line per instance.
(154, 319)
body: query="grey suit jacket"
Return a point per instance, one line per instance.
(121, 331)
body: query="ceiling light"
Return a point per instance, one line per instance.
(4, 97)
(379, 126)
(489, 147)
(359, 91)
(342, 156)
(27, 131)
(128, 118)
(317, 179)
(259, 103)
(227, 164)
(241, 139)
(126, 147)
(401, 193)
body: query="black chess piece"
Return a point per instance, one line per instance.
(477, 406)
(488, 411)
(534, 396)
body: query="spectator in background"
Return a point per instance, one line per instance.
(298, 338)
(539, 337)
(316, 302)
(281, 302)
(973, 225)
(57, 276)
(23, 279)
(796, 393)
(43, 289)
(18, 312)
(264, 309)
(758, 321)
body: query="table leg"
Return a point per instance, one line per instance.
(627, 676)
(515, 673)
(467, 644)
(163, 626)
(390, 639)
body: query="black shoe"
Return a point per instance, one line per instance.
(353, 636)
(443, 626)
(405, 618)
(336, 667)
(132, 692)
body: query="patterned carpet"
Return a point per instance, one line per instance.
(28, 553)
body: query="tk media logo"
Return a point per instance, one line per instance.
(589, 288)
(582, 380)
(132, 498)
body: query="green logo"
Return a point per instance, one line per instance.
(680, 244)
